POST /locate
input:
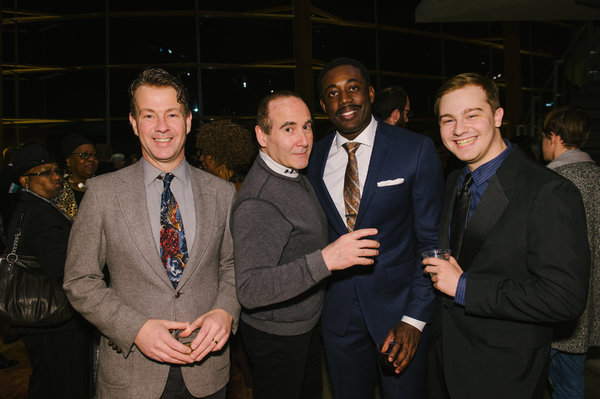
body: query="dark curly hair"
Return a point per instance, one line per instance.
(227, 143)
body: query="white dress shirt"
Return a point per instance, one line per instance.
(335, 169)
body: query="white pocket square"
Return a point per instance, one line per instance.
(394, 182)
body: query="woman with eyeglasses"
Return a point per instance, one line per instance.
(81, 162)
(60, 355)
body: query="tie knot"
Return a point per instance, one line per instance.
(167, 179)
(351, 147)
(467, 183)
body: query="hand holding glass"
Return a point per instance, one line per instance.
(436, 253)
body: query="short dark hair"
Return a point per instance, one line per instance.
(336, 62)
(389, 99)
(570, 123)
(469, 79)
(228, 144)
(262, 115)
(158, 77)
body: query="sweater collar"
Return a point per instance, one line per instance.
(570, 156)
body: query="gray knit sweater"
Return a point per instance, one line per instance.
(578, 167)
(278, 230)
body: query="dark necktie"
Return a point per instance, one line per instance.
(351, 186)
(460, 215)
(173, 247)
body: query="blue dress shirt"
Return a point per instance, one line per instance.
(481, 178)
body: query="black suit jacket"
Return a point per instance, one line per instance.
(526, 250)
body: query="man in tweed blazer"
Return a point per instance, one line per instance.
(565, 131)
(119, 225)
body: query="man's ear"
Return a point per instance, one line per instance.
(371, 94)
(188, 123)
(395, 116)
(133, 124)
(260, 136)
(24, 181)
(498, 115)
(322, 105)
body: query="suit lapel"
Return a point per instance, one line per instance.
(321, 190)
(205, 204)
(132, 199)
(379, 156)
(445, 217)
(491, 207)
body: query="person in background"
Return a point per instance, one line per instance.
(227, 150)
(392, 106)
(118, 161)
(81, 163)
(8, 189)
(104, 151)
(60, 355)
(565, 131)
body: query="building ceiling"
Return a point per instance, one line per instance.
(506, 10)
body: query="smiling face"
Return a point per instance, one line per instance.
(161, 125)
(291, 137)
(468, 126)
(347, 100)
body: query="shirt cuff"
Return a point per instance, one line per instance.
(461, 288)
(418, 324)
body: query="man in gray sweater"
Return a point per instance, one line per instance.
(282, 257)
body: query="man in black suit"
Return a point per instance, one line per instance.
(521, 263)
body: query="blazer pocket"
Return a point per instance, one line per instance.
(520, 336)
(114, 370)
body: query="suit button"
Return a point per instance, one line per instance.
(110, 343)
(177, 295)
(119, 350)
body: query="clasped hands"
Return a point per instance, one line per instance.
(156, 342)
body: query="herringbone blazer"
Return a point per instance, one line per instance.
(113, 228)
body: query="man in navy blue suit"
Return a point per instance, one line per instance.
(401, 192)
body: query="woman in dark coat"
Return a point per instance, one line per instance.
(59, 355)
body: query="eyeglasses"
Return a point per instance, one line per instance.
(409, 113)
(85, 155)
(47, 173)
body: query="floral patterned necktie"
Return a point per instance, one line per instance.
(173, 247)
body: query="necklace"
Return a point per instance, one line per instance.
(80, 185)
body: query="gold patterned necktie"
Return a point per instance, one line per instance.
(351, 186)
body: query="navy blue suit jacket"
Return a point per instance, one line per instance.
(407, 217)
